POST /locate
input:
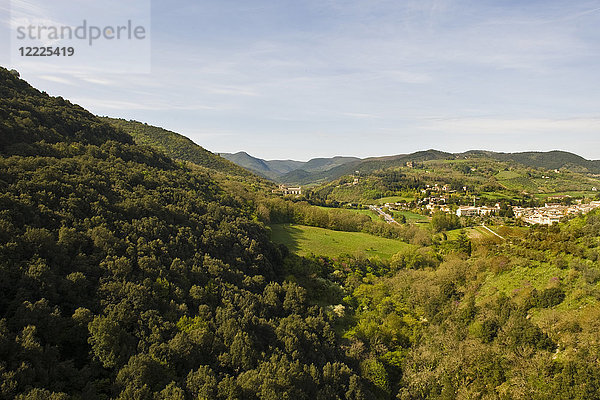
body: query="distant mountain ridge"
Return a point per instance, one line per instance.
(326, 169)
(282, 170)
(550, 160)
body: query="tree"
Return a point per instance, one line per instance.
(463, 243)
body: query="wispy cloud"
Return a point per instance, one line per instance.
(233, 91)
(57, 79)
(265, 75)
(99, 81)
(499, 126)
(360, 115)
(153, 105)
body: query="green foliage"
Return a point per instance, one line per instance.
(549, 297)
(277, 211)
(175, 146)
(493, 176)
(306, 240)
(124, 274)
(442, 221)
(414, 258)
(463, 243)
(28, 116)
(375, 372)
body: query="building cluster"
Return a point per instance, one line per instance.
(547, 215)
(286, 190)
(472, 211)
(355, 181)
(435, 203)
(438, 188)
(552, 213)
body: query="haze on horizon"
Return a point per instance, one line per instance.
(313, 78)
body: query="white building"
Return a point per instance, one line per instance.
(289, 190)
(470, 211)
(467, 211)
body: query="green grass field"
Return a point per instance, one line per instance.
(479, 232)
(412, 217)
(306, 240)
(507, 175)
(476, 232)
(497, 196)
(519, 277)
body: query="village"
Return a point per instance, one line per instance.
(552, 213)
(549, 214)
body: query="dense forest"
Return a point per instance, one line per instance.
(127, 274)
(175, 146)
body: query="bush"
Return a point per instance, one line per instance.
(549, 297)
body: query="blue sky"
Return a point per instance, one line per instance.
(301, 79)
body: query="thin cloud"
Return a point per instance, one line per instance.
(360, 115)
(511, 126)
(97, 103)
(57, 79)
(99, 81)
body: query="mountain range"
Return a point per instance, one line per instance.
(287, 170)
(320, 170)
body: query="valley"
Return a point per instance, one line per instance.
(137, 264)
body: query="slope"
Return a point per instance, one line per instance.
(256, 165)
(28, 116)
(175, 145)
(124, 274)
(546, 160)
(551, 160)
(479, 173)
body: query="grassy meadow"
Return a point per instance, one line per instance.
(306, 240)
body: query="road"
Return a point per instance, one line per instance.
(388, 218)
(492, 232)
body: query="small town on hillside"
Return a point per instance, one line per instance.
(549, 214)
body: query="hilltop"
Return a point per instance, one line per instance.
(322, 170)
(549, 160)
(479, 175)
(175, 146)
(288, 170)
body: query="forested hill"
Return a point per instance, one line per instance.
(126, 275)
(549, 160)
(176, 146)
(337, 167)
(28, 116)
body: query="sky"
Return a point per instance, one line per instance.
(298, 79)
